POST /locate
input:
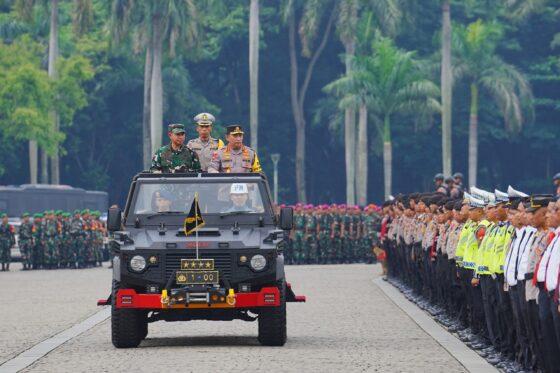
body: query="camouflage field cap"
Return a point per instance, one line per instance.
(176, 128)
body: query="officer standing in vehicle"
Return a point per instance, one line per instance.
(204, 145)
(235, 157)
(176, 156)
(7, 240)
(25, 241)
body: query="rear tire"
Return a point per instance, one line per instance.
(272, 321)
(127, 326)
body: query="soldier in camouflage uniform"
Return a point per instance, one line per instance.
(310, 236)
(77, 234)
(175, 157)
(66, 242)
(346, 225)
(51, 233)
(38, 241)
(298, 235)
(60, 249)
(337, 235)
(7, 241)
(25, 241)
(325, 230)
(97, 238)
(88, 238)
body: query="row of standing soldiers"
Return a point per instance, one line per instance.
(328, 234)
(55, 240)
(487, 267)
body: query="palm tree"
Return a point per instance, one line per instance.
(446, 87)
(479, 65)
(309, 26)
(387, 83)
(81, 20)
(254, 29)
(151, 24)
(388, 14)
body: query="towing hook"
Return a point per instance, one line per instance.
(230, 298)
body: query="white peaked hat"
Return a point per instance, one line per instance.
(239, 188)
(515, 193)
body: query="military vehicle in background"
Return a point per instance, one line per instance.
(230, 268)
(32, 198)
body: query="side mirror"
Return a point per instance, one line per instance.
(114, 219)
(286, 218)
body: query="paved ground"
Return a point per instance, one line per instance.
(347, 324)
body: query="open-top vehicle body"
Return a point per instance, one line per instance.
(231, 267)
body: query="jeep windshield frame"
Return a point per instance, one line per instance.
(144, 181)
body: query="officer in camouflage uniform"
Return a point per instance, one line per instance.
(346, 226)
(310, 237)
(51, 233)
(77, 234)
(298, 235)
(87, 251)
(176, 156)
(372, 225)
(205, 146)
(38, 241)
(7, 240)
(25, 241)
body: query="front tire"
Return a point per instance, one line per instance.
(128, 327)
(272, 321)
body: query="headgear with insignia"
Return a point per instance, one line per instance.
(3, 215)
(476, 202)
(539, 200)
(501, 197)
(25, 215)
(176, 128)
(37, 215)
(234, 129)
(512, 193)
(204, 119)
(85, 211)
(58, 212)
(77, 211)
(480, 194)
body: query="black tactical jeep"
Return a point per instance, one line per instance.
(231, 266)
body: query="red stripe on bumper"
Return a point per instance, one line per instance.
(267, 297)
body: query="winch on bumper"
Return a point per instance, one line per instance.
(191, 299)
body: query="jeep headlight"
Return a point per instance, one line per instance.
(137, 263)
(258, 262)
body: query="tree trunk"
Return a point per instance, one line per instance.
(53, 56)
(156, 88)
(362, 157)
(146, 137)
(299, 120)
(387, 157)
(473, 135)
(44, 167)
(446, 89)
(254, 72)
(350, 137)
(33, 153)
